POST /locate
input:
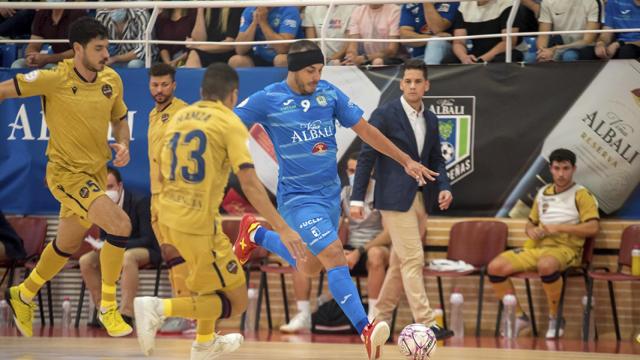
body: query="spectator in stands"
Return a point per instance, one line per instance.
(49, 24)
(142, 247)
(11, 246)
(374, 22)
(367, 252)
(480, 18)
(213, 24)
(426, 20)
(563, 215)
(336, 28)
(125, 24)
(266, 23)
(558, 15)
(618, 14)
(177, 25)
(16, 24)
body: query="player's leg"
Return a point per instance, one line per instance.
(178, 273)
(550, 265)
(133, 260)
(302, 292)
(55, 255)
(90, 270)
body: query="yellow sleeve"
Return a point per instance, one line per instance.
(37, 82)
(587, 205)
(237, 142)
(533, 214)
(119, 109)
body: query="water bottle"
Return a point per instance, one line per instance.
(457, 323)
(4, 313)
(509, 316)
(592, 320)
(250, 318)
(635, 260)
(66, 313)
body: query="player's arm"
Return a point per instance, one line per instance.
(585, 229)
(372, 136)
(8, 90)
(120, 131)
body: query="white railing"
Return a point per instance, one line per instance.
(158, 5)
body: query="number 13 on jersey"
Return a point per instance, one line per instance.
(187, 156)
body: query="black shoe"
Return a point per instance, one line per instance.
(441, 333)
(128, 320)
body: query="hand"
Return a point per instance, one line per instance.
(546, 54)
(7, 13)
(190, 46)
(444, 199)
(356, 212)
(353, 257)
(294, 244)
(419, 172)
(601, 51)
(37, 60)
(612, 49)
(535, 233)
(469, 59)
(261, 15)
(122, 154)
(551, 229)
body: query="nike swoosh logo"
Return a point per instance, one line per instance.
(344, 300)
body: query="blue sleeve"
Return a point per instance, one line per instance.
(405, 16)
(246, 18)
(608, 14)
(347, 112)
(450, 13)
(252, 109)
(290, 23)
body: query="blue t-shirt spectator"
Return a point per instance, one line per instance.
(412, 15)
(283, 20)
(623, 14)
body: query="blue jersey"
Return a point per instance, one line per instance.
(412, 15)
(623, 14)
(302, 129)
(282, 20)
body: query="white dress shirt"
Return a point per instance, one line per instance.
(418, 124)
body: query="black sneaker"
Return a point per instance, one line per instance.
(441, 333)
(128, 319)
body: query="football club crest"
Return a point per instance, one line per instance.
(456, 116)
(107, 90)
(322, 101)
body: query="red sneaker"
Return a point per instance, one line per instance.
(243, 245)
(374, 336)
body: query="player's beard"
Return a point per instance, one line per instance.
(161, 99)
(99, 67)
(303, 87)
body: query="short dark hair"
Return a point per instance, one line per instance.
(219, 81)
(560, 155)
(302, 46)
(354, 155)
(115, 172)
(416, 64)
(162, 69)
(85, 29)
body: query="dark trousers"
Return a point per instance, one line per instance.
(18, 25)
(628, 51)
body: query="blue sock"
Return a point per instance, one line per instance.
(270, 240)
(347, 297)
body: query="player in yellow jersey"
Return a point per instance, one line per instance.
(202, 143)
(162, 85)
(80, 98)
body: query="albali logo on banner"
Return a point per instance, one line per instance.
(456, 117)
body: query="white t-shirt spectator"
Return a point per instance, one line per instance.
(569, 15)
(337, 27)
(381, 23)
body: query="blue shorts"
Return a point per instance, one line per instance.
(315, 221)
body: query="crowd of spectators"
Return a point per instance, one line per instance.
(428, 25)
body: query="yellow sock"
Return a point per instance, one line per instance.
(178, 276)
(205, 331)
(503, 288)
(201, 307)
(553, 291)
(110, 266)
(51, 262)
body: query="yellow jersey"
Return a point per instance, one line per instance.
(202, 144)
(77, 113)
(158, 120)
(574, 205)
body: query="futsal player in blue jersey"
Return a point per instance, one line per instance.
(300, 114)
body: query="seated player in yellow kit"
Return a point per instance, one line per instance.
(202, 143)
(562, 216)
(162, 86)
(80, 98)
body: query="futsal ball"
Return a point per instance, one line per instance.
(448, 151)
(417, 342)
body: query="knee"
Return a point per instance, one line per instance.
(86, 262)
(169, 252)
(129, 260)
(122, 226)
(547, 267)
(377, 61)
(309, 270)
(238, 61)
(280, 60)
(499, 267)
(193, 60)
(570, 55)
(376, 258)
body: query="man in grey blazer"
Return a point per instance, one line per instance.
(403, 202)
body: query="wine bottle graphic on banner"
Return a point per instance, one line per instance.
(603, 129)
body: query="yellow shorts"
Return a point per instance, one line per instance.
(154, 218)
(75, 191)
(526, 259)
(212, 264)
